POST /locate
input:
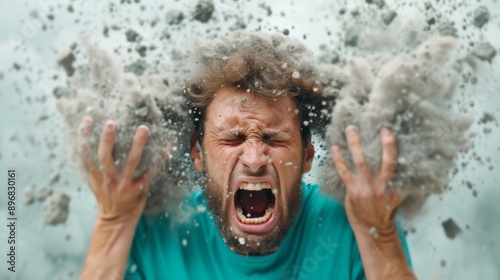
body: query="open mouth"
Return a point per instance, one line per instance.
(254, 203)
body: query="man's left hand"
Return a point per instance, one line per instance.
(368, 202)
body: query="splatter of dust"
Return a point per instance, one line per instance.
(409, 86)
(412, 95)
(102, 90)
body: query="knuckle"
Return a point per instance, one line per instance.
(108, 137)
(342, 170)
(132, 161)
(84, 150)
(101, 155)
(360, 163)
(139, 141)
(354, 143)
(386, 176)
(389, 141)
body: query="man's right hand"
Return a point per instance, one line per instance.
(120, 197)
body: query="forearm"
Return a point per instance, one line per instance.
(109, 250)
(382, 254)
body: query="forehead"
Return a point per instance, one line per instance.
(236, 106)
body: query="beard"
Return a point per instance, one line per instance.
(253, 245)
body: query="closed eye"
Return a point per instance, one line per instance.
(234, 139)
(272, 140)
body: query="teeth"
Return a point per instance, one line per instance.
(255, 221)
(254, 187)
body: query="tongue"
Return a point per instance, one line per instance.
(255, 201)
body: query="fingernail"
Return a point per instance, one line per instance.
(85, 121)
(84, 125)
(351, 130)
(335, 149)
(109, 126)
(143, 131)
(386, 132)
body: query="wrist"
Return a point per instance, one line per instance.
(379, 234)
(109, 248)
(382, 252)
(125, 219)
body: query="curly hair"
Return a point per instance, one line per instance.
(261, 71)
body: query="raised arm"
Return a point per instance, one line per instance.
(371, 209)
(120, 199)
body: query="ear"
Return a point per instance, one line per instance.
(308, 154)
(196, 153)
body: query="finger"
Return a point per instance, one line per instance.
(85, 128)
(356, 151)
(135, 152)
(389, 155)
(342, 169)
(105, 150)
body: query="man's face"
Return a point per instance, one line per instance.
(253, 158)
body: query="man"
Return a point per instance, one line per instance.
(253, 114)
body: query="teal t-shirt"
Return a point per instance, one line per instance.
(321, 245)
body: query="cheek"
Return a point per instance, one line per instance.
(220, 163)
(288, 161)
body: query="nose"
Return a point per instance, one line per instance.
(254, 158)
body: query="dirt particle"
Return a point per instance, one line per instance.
(474, 193)
(484, 51)
(481, 16)
(447, 28)
(451, 229)
(352, 37)
(238, 24)
(54, 178)
(388, 16)
(241, 240)
(131, 35)
(59, 92)
(431, 20)
(43, 192)
(105, 31)
(138, 67)
(203, 10)
(17, 66)
(469, 185)
(141, 50)
(66, 60)
(487, 117)
(174, 17)
(56, 208)
(28, 197)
